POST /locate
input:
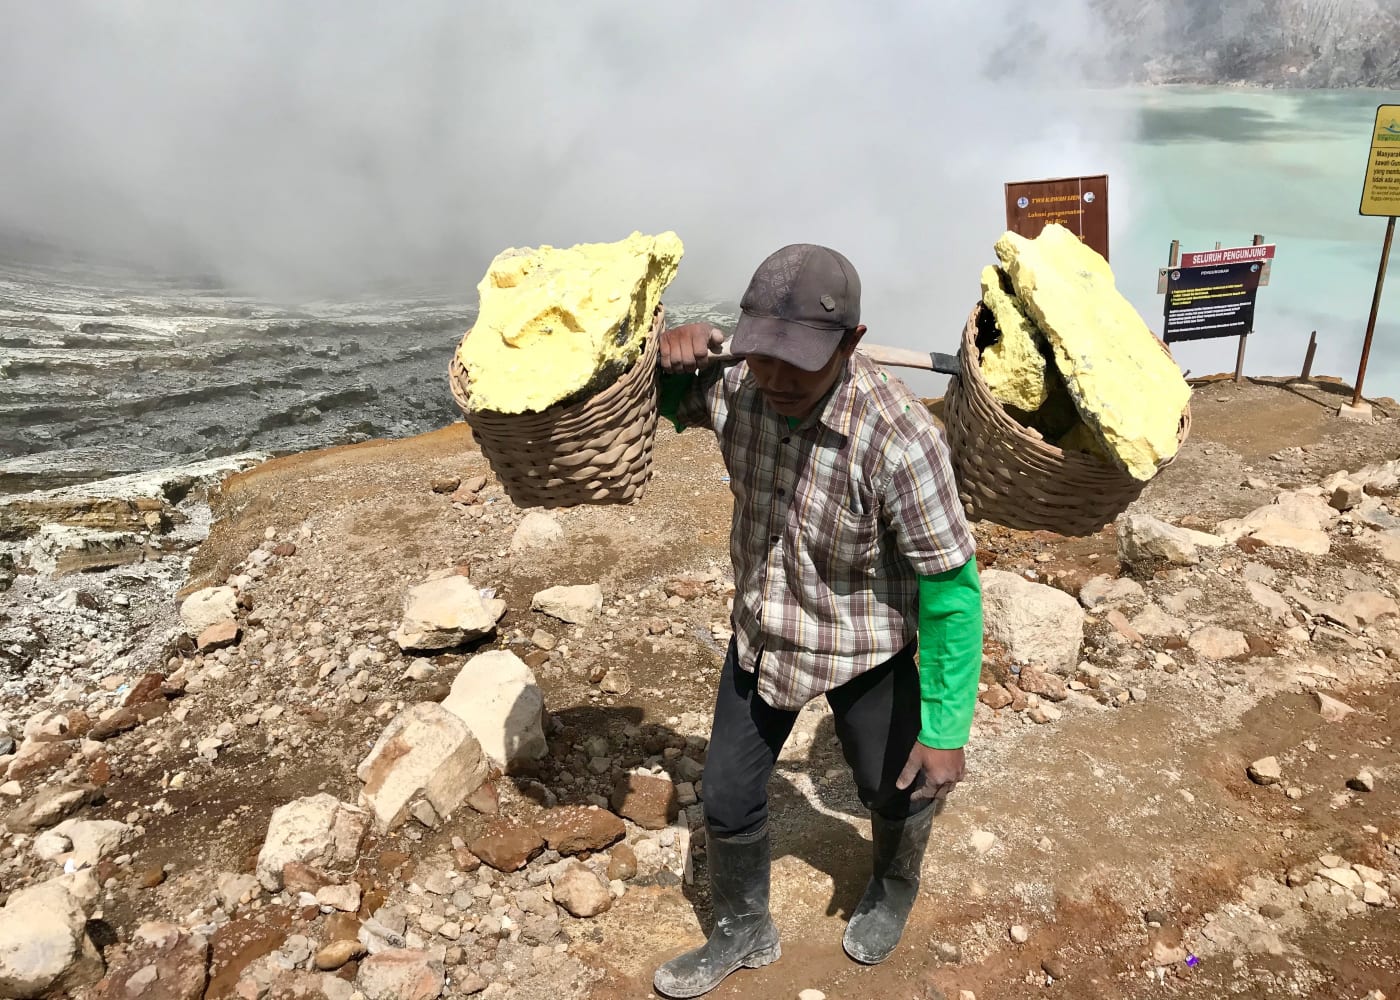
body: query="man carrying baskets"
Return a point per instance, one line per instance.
(854, 578)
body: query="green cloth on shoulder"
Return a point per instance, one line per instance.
(671, 389)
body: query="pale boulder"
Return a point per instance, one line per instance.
(1104, 589)
(441, 614)
(1143, 540)
(1216, 643)
(1295, 521)
(1155, 623)
(44, 946)
(1369, 606)
(1285, 536)
(319, 831)
(207, 607)
(1265, 771)
(1346, 495)
(345, 898)
(426, 750)
(1331, 709)
(577, 605)
(581, 892)
(536, 530)
(496, 695)
(1038, 625)
(1270, 600)
(84, 841)
(400, 974)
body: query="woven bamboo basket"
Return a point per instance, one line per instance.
(1009, 475)
(596, 451)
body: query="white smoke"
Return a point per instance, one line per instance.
(324, 147)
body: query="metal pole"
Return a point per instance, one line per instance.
(1173, 259)
(1244, 337)
(1308, 360)
(1375, 310)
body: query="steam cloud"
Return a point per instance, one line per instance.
(330, 147)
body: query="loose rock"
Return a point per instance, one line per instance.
(1215, 643)
(337, 953)
(318, 831)
(1330, 708)
(441, 614)
(1363, 781)
(622, 865)
(49, 807)
(1037, 624)
(1144, 540)
(536, 530)
(208, 607)
(1104, 589)
(426, 750)
(648, 800)
(44, 945)
(218, 636)
(400, 974)
(1265, 771)
(496, 695)
(580, 891)
(577, 605)
(576, 829)
(508, 847)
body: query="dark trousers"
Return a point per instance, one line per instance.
(877, 721)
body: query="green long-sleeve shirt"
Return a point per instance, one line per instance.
(949, 627)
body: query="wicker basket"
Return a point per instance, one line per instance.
(597, 451)
(1009, 475)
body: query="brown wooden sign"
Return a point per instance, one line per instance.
(1080, 204)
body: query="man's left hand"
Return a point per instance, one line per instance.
(942, 770)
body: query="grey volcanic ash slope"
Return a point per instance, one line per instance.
(1300, 43)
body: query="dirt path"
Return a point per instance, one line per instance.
(1106, 815)
(1133, 803)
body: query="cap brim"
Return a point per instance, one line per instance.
(801, 346)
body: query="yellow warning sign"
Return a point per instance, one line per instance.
(1381, 193)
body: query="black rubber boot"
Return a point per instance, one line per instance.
(744, 935)
(879, 920)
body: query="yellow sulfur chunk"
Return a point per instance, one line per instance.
(1128, 390)
(556, 325)
(1013, 367)
(1081, 438)
(1016, 368)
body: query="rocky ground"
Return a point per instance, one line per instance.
(383, 734)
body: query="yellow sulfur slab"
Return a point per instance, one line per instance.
(1081, 438)
(1013, 367)
(557, 325)
(1129, 392)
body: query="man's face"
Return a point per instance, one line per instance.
(792, 392)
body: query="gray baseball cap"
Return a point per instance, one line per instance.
(798, 304)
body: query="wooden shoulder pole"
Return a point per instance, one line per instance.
(1244, 337)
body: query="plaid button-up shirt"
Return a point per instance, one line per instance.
(835, 520)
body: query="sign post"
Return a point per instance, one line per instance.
(1211, 293)
(1080, 204)
(1380, 196)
